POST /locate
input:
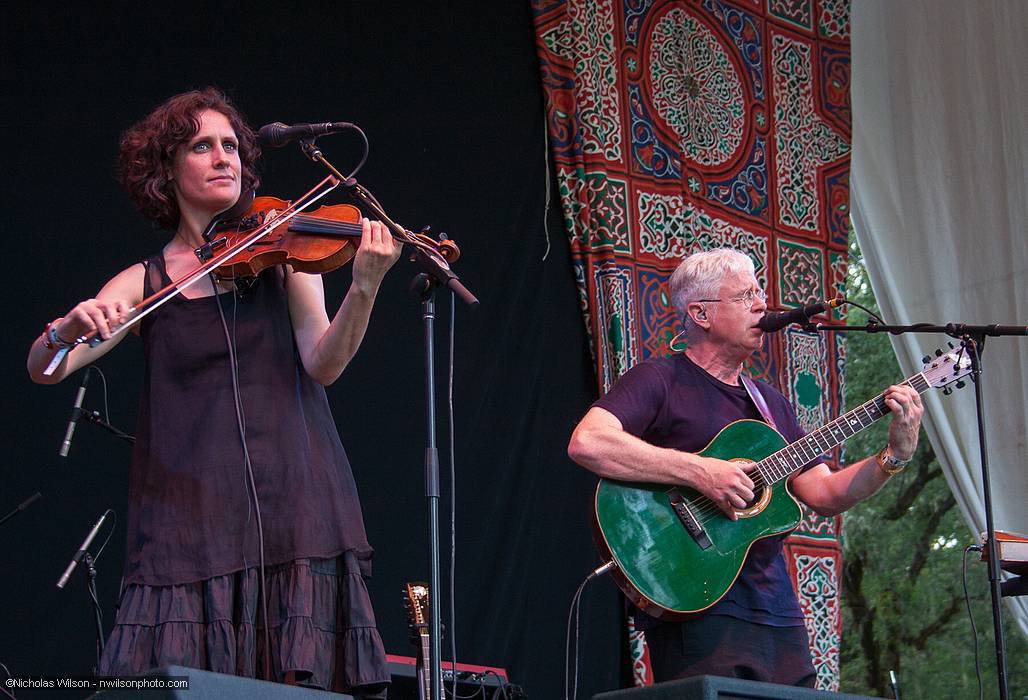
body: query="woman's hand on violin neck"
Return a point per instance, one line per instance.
(94, 315)
(377, 253)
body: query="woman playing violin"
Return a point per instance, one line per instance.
(236, 449)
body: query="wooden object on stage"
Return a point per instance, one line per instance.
(1012, 549)
(415, 600)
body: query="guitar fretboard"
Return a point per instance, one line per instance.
(791, 458)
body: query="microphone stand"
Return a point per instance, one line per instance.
(433, 264)
(436, 272)
(95, 418)
(90, 563)
(973, 338)
(424, 287)
(87, 559)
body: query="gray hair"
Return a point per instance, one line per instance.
(699, 276)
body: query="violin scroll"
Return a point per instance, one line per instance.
(444, 247)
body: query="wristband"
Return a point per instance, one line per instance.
(51, 340)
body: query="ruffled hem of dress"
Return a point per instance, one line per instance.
(322, 626)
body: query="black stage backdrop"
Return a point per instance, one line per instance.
(451, 102)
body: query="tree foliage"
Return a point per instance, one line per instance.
(902, 597)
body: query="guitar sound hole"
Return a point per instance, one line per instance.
(758, 493)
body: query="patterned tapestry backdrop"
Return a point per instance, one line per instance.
(677, 126)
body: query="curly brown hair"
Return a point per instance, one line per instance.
(147, 151)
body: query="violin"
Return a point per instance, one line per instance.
(275, 232)
(316, 243)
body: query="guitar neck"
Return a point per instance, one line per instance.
(794, 457)
(426, 672)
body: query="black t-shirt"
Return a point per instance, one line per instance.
(672, 402)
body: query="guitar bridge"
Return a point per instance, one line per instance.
(685, 514)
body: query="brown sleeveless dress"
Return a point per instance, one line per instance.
(190, 589)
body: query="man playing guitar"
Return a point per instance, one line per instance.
(653, 423)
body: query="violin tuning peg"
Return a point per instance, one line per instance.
(424, 229)
(444, 236)
(926, 359)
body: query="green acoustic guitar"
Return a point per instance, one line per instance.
(674, 553)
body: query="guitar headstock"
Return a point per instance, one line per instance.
(415, 601)
(944, 368)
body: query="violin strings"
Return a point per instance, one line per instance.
(319, 225)
(322, 224)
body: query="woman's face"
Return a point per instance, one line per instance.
(206, 171)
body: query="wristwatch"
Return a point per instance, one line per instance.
(889, 463)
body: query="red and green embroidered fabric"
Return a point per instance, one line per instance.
(681, 125)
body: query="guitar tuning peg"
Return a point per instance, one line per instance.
(951, 345)
(926, 359)
(948, 390)
(960, 384)
(938, 352)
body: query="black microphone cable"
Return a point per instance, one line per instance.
(91, 587)
(278, 134)
(970, 615)
(453, 504)
(250, 482)
(575, 617)
(10, 676)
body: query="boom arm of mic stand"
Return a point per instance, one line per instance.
(954, 330)
(440, 272)
(974, 338)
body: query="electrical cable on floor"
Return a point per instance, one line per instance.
(970, 616)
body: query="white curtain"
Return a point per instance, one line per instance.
(940, 207)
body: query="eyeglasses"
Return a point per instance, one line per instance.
(747, 297)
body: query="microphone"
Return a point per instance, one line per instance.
(278, 134)
(22, 506)
(778, 320)
(76, 412)
(82, 550)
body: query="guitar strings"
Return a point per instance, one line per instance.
(704, 508)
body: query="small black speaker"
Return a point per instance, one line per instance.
(717, 688)
(205, 685)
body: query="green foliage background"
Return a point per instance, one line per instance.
(902, 599)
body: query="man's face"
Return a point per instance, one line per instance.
(733, 319)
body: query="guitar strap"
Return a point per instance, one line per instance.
(758, 399)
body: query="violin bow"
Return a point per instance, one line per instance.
(163, 296)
